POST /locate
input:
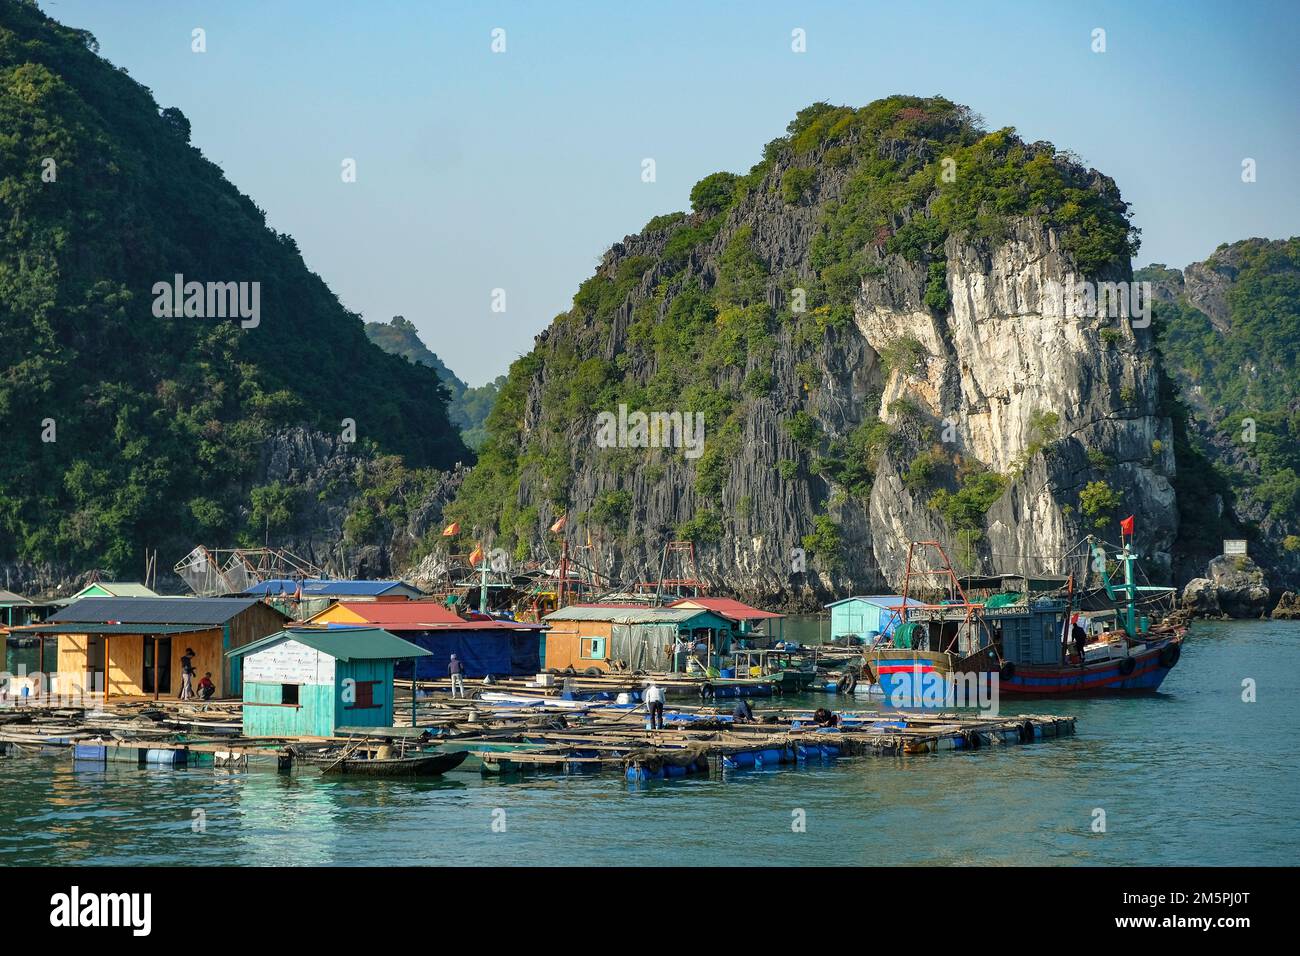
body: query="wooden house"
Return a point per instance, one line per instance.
(132, 646)
(749, 622)
(311, 681)
(303, 598)
(484, 645)
(596, 637)
(866, 617)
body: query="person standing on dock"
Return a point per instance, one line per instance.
(457, 671)
(654, 702)
(187, 674)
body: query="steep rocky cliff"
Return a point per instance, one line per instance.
(1229, 335)
(871, 325)
(156, 333)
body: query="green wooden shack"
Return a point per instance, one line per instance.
(309, 682)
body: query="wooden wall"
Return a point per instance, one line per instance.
(564, 639)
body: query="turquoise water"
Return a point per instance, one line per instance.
(1190, 776)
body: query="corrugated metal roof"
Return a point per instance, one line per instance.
(647, 615)
(155, 610)
(93, 628)
(8, 597)
(328, 588)
(727, 607)
(422, 616)
(879, 600)
(121, 588)
(342, 643)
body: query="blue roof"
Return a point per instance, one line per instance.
(325, 588)
(880, 600)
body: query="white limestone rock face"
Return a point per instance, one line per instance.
(1008, 351)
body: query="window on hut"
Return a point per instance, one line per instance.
(289, 694)
(365, 695)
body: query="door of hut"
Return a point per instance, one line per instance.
(153, 669)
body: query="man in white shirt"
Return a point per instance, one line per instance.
(654, 702)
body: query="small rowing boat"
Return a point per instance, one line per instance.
(417, 765)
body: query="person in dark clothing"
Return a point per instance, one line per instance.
(824, 718)
(742, 713)
(187, 673)
(1080, 640)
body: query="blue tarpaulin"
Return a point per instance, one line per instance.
(499, 653)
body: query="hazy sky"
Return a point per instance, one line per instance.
(480, 170)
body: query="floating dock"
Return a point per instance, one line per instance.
(512, 739)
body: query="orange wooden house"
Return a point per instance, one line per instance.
(132, 646)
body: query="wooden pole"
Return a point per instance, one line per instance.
(156, 682)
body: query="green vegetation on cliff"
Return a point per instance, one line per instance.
(1236, 372)
(690, 315)
(121, 429)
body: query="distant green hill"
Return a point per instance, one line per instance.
(469, 406)
(123, 428)
(1229, 332)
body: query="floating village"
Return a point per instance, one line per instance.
(270, 665)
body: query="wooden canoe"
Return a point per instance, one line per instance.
(421, 765)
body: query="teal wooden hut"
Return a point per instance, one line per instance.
(309, 682)
(866, 617)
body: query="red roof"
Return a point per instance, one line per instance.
(423, 616)
(727, 607)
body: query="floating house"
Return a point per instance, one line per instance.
(748, 620)
(866, 618)
(597, 637)
(132, 646)
(17, 611)
(336, 590)
(310, 681)
(485, 646)
(112, 589)
(301, 598)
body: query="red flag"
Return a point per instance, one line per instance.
(1126, 526)
(559, 524)
(451, 530)
(476, 555)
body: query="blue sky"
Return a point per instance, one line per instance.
(478, 171)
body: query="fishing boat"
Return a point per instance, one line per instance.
(779, 665)
(413, 765)
(944, 653)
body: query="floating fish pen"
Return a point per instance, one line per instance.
(500, 738)
(703, 743)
